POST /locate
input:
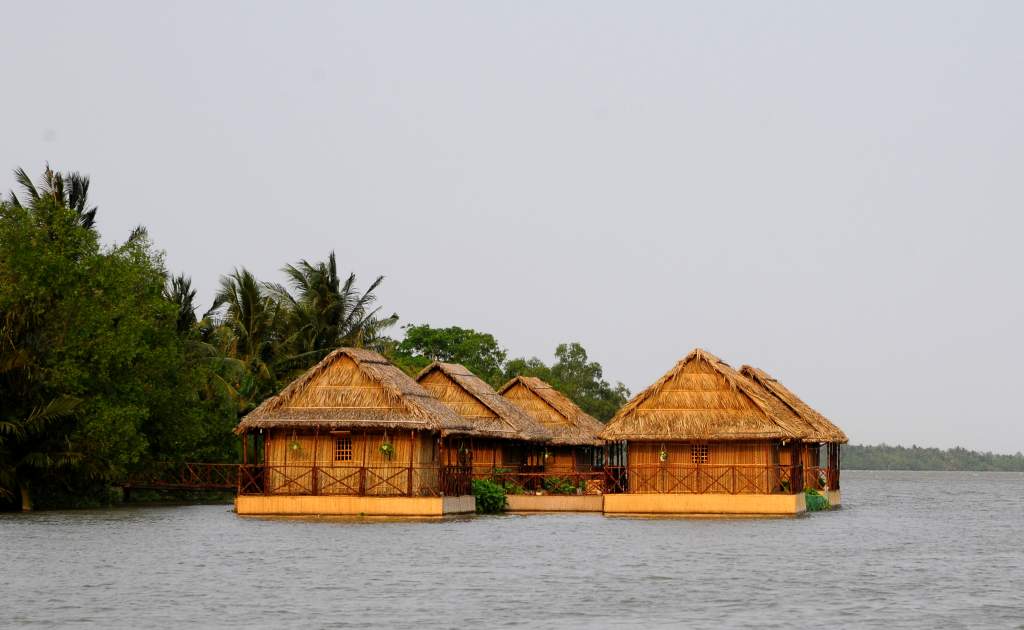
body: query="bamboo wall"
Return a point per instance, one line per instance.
(719, 453)
(288, 465)
(730, 467)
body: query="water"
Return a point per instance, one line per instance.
(908, 549)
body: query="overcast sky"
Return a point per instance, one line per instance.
(832, 193)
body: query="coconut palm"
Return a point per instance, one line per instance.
(68, 189)
(24, 451)
(179, 292)
(326, 313)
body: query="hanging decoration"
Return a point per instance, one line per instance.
(663, 454)
(386, 448)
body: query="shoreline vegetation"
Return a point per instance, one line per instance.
(957, 459)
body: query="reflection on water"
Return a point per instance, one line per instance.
(909, 549)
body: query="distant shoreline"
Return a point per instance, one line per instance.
(957, 459)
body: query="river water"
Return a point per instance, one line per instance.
(909, 549)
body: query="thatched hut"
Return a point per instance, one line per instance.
(705, 438)
(574, 445)
(354, 434)
(505, 436)
(820, 431)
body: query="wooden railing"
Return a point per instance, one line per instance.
(656, 478)
(549, 481)
(186, 476)
(821, 478)
(383, 480)
(704, 479)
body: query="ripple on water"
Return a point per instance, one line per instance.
(912, 549)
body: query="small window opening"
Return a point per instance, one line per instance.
(343, 450)
(699, 453)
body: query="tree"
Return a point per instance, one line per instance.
(91, 323)
(180, 293)
(325, 313)
(479, 352)
(25, 447)
(69, 190)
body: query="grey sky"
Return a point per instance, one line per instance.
(832, 193)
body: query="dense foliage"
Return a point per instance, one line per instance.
(885, 457)
(105, 367)
(490, 496)
(815, 501)
(94, 378)
(573, 373)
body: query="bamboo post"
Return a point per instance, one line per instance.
(362, 468)
(412, 453)
(314, 485)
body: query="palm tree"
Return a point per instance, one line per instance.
(68, 189)
(179, 292)
(251, 313)
(326, 313)
(24, 451)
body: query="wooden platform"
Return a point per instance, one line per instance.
(555, 503)
(291, 505)
(750, 504)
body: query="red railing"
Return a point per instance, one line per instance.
(187, 476)
(384, 480)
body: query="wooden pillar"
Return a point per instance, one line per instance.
(245, 448)
(412, 453)
(314, 485)
(362, 468)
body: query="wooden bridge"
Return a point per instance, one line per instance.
(188, 476)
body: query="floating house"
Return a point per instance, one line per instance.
(575, 445)
(820, 432)
(354, 435)
(506, 437)
(705, 438)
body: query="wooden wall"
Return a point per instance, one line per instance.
(290, 465)
(719, 453)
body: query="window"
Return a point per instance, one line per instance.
(699, 453)
(343, 450)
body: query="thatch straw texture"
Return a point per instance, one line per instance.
(489, 413)
(702, 398)
(355, 388)
(820, 428)
(568, 423)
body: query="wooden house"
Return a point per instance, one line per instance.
(820, 432)
(353, 435)
(505, 436)
(706, 439)
(574, 445)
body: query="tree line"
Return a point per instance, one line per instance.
(107, 365)
(885, 457)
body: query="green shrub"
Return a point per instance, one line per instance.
(559, 485)
(490, 496)
(816, 501)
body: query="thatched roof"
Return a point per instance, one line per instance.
(568, 423)
(702, 398)
(490, 414)
(355, 388)
(820, 428)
